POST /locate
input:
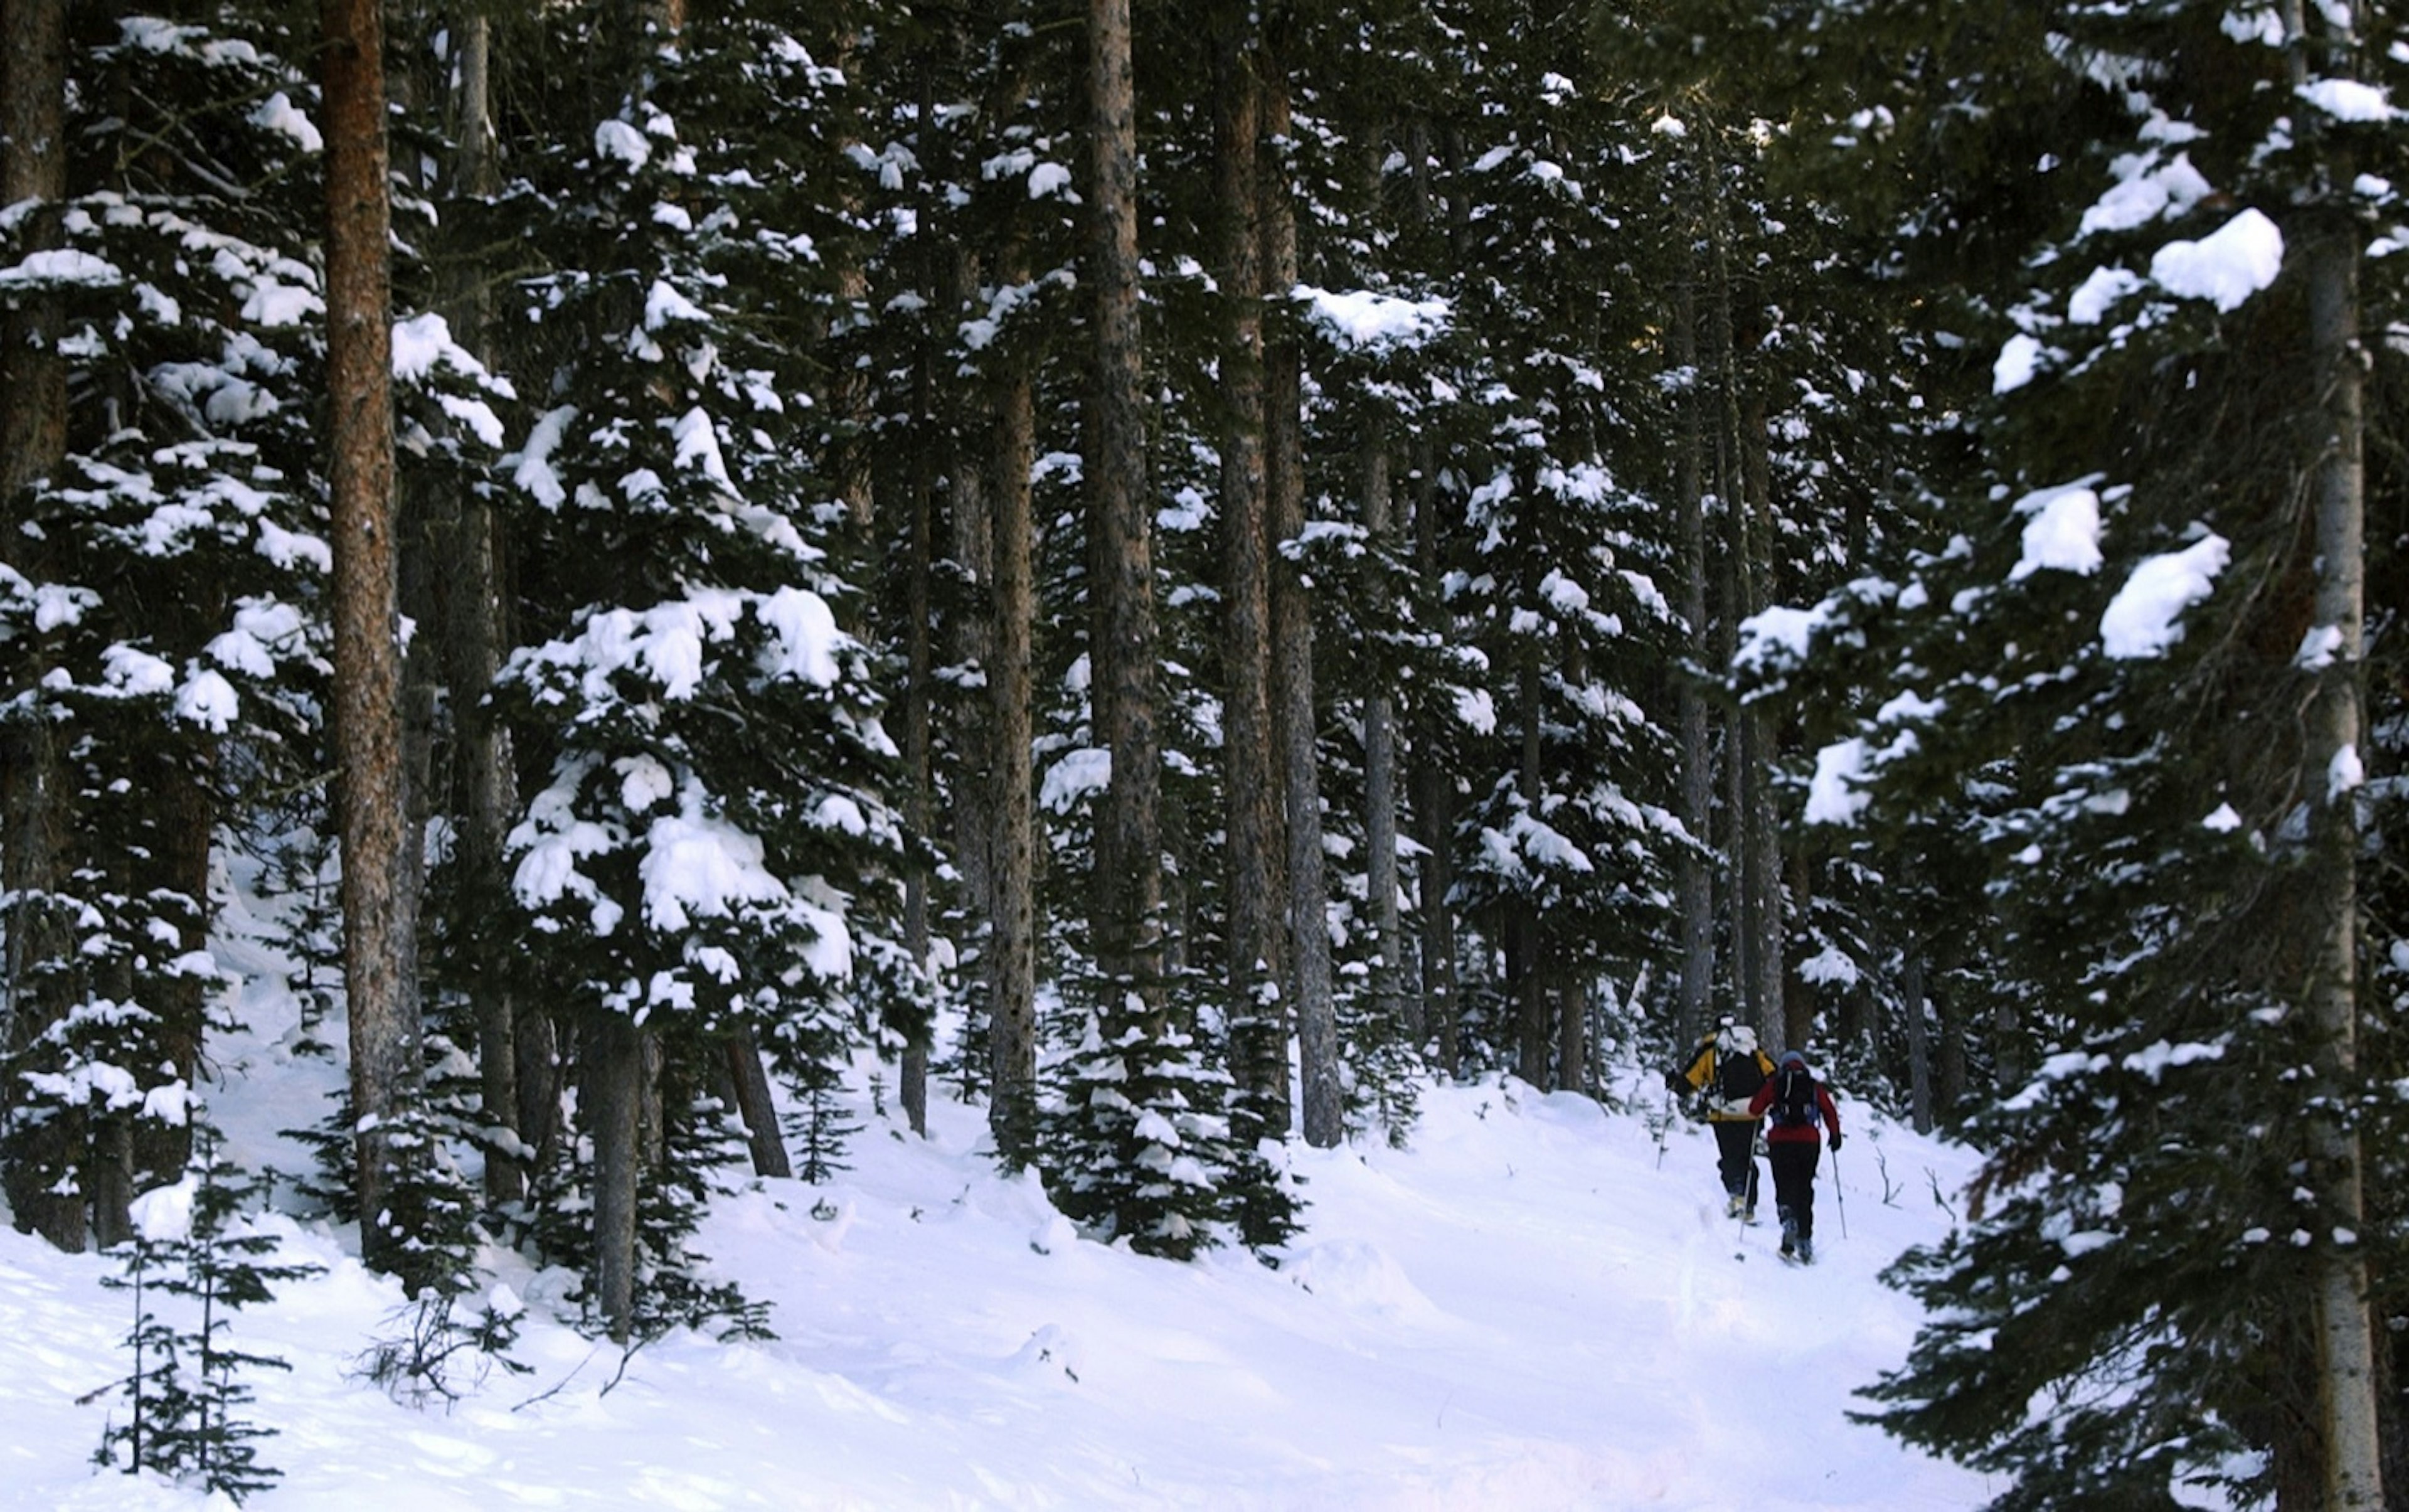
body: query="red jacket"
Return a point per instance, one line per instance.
(1778, 1133)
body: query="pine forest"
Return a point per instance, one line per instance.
(1189, 576)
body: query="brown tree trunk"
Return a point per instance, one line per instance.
(1696, 866)
(1257, 873)
(1298, 724)
(1754, 840)
(1012, 718)
(1919, 1040)
(2345, 1333)
(612, 1083)
(1529, 978)
(34, 822)
(377, 902)
(1127, 899)
(976, 784)
(1948, 1055)
(1389, 1000)
(763, 1139)
(1433, 794)
(188, 813)
(1762, 741)
(919, 695)
(1572, 1035)
(474, 634)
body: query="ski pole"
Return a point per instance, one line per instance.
(1839, 1195)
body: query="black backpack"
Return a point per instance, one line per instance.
(1793, 1097)
(1737, 1074)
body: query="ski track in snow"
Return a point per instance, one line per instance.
(1521, 1311)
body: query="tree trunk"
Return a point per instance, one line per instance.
(1389, 1000)
(376, 922)
(919, 694)
(763, 1139)
(1761, 741)
(1572, 1034)
(976, 786)
(1919, 1040)
(1948, 1055)
(1755, 847)
(1696, 866)
(1530, 985)
(474, 640)
(2345, 1336)
(1012, 796)
(1127, 899)
(186, 799)
(1257, 877)
(1426, 781)
(1293, 699)
(34, 822)
(610, 1078)
(1433, 794)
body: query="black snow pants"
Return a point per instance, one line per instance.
(1793, 1163)
(1734, 1142)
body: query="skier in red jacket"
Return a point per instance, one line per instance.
(1794, 1144)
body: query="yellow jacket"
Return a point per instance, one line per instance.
(1702, 1074)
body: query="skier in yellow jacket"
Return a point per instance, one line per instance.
(1728, 1069)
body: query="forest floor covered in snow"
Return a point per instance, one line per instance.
(1524, 1309)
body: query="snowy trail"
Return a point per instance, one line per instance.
(1522, 1311)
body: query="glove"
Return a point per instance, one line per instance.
(1675, 1080)
(1836, 1139)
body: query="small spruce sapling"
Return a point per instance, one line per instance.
(197, 1253)
(821, 1124)
(442, 1342)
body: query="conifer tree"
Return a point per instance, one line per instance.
(196, 1257)
(172, 616)
(2102, 688)
(715, 801)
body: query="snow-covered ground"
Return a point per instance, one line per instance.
(1522, 1311)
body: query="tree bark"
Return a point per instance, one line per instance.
(1126, 903)
(1012, 799)
(1755, 844)
(1434, 796)
(1529, 978)
(2345, 1334)
(1389, 999)
(376, 922)
(1760, 740)
(742, 1052)
(518, 1095)
(919, 695)
(1919, 1040)
(1427, 782)
(186, 799)
(34, 822)
(612, 1079)
(1257, 874)
(976, 786)
(1696, 866)
(1948, 1055)
(1572, 1035)
(1299, 726)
